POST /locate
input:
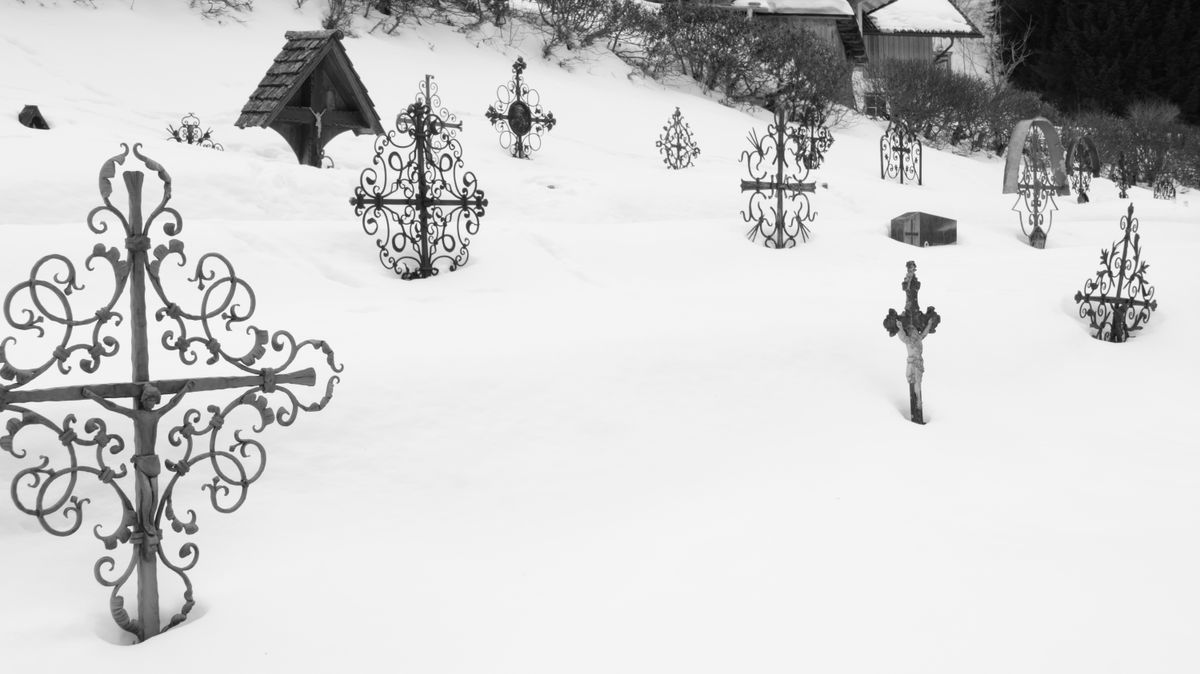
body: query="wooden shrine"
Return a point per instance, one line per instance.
(311, 94)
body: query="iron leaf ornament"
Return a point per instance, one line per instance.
(677, 144)
(189, 132)
(778, 207)
(517, 114)
(817, 139)
(912, 326)
(1118, 301)
(416, 199)
(69, 455)
(900, 153)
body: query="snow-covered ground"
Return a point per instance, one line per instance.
(623, 438)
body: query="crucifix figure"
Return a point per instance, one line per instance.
(89, 449)
(912, 327)
(146, 463)
(768, 162)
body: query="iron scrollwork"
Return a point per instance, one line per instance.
(779, 206)
(677, 144)
(1035, 190)
(1122, 175)
(418, 166)
(189, 132)
(517, 114)
(1083, 164)
(1118, 300)
(818, 140)
(211, 325)
(900, 153)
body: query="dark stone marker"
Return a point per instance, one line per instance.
(923, 229)
(31, 117)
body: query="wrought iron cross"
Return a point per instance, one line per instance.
(440, 210)
(677, 145)
(517, 115)
(1035, 191)
(1082, 164)
(786, 188)
(900, 153)
(1115, 316)
(1121, 175)
(912, 327)
(817, 139)
(43, 305)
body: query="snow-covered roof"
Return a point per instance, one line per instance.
(809, 7)
(924, 17)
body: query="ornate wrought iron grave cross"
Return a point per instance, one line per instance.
(144, 486)
(900, 153)
(1115, 316)
(189, 132)
(517, 114)
(417, 167)
(778, 206)
(677, 144)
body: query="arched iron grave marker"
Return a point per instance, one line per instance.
(900, 153)
(1034, 169)
(1083, 164)
(70, 459)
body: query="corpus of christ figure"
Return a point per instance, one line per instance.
(912, 327)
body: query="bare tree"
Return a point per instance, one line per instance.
(994, 59)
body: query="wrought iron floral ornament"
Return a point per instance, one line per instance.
(189, 132)
(900, 153)
(1164, 184)
(417, 168)
(1118, 300)
(1122, 175)
(912, 327)
(77, 452)
(677, 144)
(779, 205)
(517, 114)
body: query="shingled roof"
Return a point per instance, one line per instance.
(301, 55)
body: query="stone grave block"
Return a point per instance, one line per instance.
(924, 229)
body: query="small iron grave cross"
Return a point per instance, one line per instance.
(417, 167)
(771, 180)
(1035, 193)
(1121, 174)
(517, 115)
(900, 153)
(46, 306)
(1118, 300)
(677, 145)
(912, 327)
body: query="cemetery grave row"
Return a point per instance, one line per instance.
(423, 207)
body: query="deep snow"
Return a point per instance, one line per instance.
(623, 438)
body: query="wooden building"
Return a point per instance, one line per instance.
(311, 94)
(872, 31)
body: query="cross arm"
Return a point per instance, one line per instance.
(769, 185)
(1153, 304)
(305, 377)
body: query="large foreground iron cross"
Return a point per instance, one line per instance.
(775, 230)
(43, 302)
